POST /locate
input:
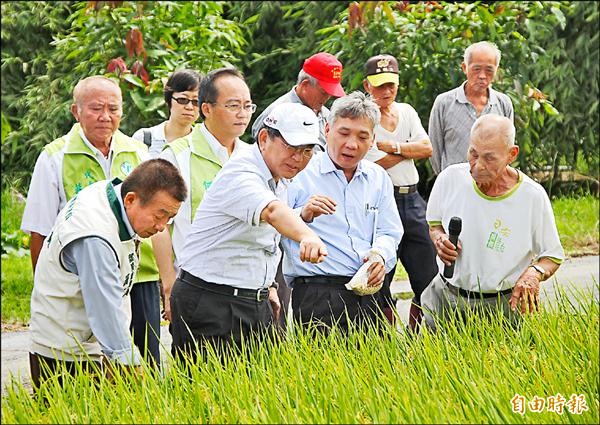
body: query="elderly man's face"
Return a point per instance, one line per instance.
(488, 158)
(481, 70)
(314, 96)
(153, 216)
(99, 110)
(348, 141)
(384, 95)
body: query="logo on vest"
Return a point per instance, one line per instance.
(126, 167)
(207, 184)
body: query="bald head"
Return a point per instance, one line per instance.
(95, 82)
(492, 126)
(98, 107)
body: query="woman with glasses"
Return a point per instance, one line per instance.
(181, 97)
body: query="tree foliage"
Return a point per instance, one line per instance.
(137, 43)
(549, 64)
(281, 35)
(540, 70)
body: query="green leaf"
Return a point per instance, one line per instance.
(518, 36)
(137, 99)
(485, 15)
(560, 17)
(550, 110)
(5, 127)
(155, 103)
(134, 79)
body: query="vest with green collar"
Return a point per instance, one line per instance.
(59, 323)
(198, 166)
(80, 168)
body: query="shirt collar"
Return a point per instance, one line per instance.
(94, 148)
(115, 200)
(217, 148)
(160, 131)
(462, 97)
(328, 166)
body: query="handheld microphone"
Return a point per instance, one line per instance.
(454, 229)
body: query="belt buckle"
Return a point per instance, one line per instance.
(258, 295)
(403, 189)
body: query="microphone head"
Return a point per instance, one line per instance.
(455, 226)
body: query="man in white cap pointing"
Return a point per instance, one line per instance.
(230, 257)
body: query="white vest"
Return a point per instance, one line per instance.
(59, 324)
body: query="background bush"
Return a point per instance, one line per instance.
(549, 66)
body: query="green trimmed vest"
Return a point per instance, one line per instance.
(198, 166)
(80, 168)
(59, 323)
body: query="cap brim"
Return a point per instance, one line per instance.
(383, 78)
(332, 89)
(299, 138)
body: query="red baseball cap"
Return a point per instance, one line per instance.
(327, 70)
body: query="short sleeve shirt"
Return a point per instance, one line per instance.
(500, 235)
(228, 243)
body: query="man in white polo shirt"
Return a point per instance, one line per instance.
(399, 140)
(230, 258)
(509, 242)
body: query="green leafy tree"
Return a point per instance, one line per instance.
(27, 33)
(139, 44)
(538, 70)
(281, 35)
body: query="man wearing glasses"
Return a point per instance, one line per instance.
(318, 80)
(226, 108)
(223, 294)
(358, 220)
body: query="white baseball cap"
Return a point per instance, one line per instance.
(297, 124)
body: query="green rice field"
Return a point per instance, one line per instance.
(477, 371)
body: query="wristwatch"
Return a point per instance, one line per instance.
(539, 269)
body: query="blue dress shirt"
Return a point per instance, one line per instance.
(366, 217)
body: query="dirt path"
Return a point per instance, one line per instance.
(576, 273)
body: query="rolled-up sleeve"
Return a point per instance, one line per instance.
(95, 262)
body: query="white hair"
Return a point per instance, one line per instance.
(303, 75)
(492, 125)
(482, 45)
(83, 85)
(355, 105)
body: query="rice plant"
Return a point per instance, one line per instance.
(478, 370)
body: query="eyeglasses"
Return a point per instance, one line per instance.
(305, 151)
(237, 107)
(185, 101)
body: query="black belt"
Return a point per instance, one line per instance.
(402, 190)
(332, 280)
(472, 294)
(251, 294)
